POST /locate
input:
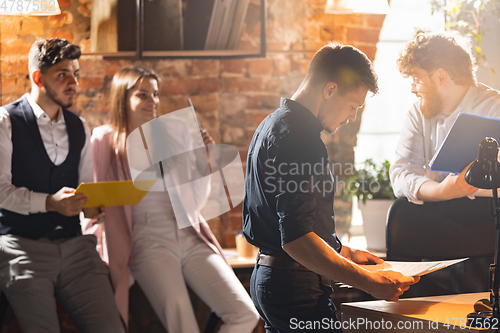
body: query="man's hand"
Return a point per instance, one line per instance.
(452, 187)
(389, 285)
(97, 214)
(66, 202)
(360, 257)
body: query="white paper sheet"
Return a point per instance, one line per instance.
(412, 268)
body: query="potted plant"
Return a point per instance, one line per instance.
(372, 187)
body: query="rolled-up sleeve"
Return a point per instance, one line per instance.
(297, 169)
(408, 172)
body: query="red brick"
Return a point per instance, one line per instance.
(256, 117)
(65, 34)
(314, 46)
(272, 84)
(238, 66)
(282, 66)
(363, 35)
(15, 85)
(333, 34)
(9, 66)
(205, 67)
(375, 20)
(64, 3)
(369, 50)
(297, 46)
(254, 32)
(171, 103)
(16, 47)
(300, 64)
(91, 104)
(90, 83)
(239, 84)
(113, 66)
(189, 86)
(250, 133)
(207, 121)
(57, 21)
(173, 68)
(32, 26)
(260, 66)
(6, 99)
(311, 31)
(208, 85)
(263, 102)
(22, 66)
(347, 19)
(206, 103)
(249, 46)
(92, 66)
(10, 27)
(277, 46)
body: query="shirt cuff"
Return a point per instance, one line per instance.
(38, 202)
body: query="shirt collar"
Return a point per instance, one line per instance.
(306, 115)
(38, 111)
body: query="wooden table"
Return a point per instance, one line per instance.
(240, 262)
(422, 314)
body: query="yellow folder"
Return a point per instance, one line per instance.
(114, 193)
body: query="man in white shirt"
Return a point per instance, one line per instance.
(44, 154)
(434, 219)
(443, 72)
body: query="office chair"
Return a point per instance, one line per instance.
(440, 231)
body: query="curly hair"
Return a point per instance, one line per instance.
(45, 53)
(429, 52)
(343, 64)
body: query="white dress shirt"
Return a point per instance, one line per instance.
(55, 139)
(421, 138)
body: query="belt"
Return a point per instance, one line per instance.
(58, 234)
(278, 262)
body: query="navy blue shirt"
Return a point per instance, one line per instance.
(289, 189)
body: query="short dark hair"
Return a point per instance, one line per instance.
(45, 53)
(343, 64)
(429, 52)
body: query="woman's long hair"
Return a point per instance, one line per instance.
(123, 81)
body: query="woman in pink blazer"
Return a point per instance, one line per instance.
(144, 242)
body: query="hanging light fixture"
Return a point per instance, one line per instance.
(356, 7)
(30, 8)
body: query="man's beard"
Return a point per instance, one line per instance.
(432, 106)
(53, 96)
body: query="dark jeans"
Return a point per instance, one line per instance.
(292, 300)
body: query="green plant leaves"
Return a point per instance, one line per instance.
(371, 181)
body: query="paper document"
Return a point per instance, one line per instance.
(412, 268)
(114, 193)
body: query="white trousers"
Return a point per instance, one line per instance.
(165, 259)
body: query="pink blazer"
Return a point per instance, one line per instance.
(115, 241)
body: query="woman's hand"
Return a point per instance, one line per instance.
(97, 214)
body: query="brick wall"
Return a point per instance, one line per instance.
(230, 96)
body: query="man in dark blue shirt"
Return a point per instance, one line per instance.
(288, 207)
